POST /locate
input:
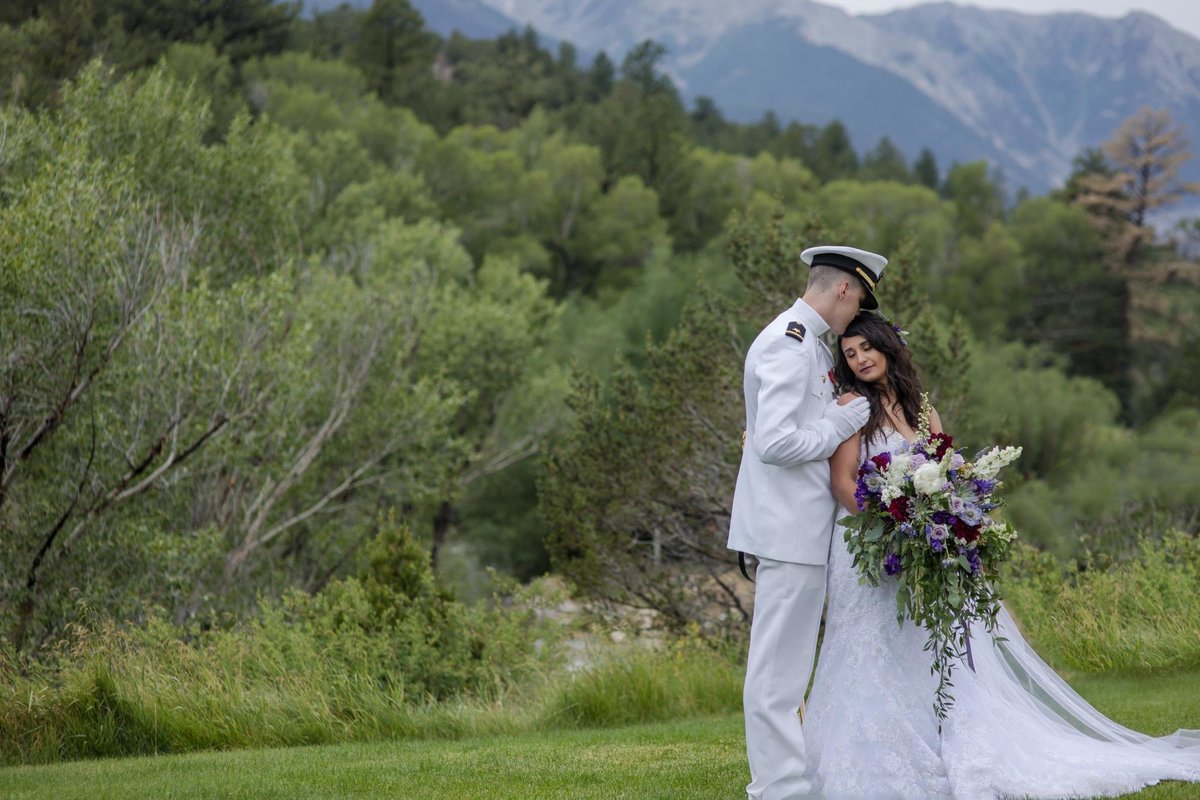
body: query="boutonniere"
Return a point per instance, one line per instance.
(831, 379)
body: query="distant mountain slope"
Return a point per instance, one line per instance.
(1027, 92)
(471, 18)
(817, 84)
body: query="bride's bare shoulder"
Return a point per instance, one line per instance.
(847, 397)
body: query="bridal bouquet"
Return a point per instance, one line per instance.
(925, 520)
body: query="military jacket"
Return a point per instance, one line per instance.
(783, 504)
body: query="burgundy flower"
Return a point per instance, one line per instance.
(942, 442)
(898, 508)
(882, 460)
(964, 531)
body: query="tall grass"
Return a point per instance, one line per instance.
(1141, 613)
(145, 691)
(288, 679)
(690, 679)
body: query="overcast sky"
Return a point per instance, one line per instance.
(1181, 14)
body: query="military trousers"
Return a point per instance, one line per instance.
(788, 600)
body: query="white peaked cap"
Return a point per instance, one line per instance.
(864, 265)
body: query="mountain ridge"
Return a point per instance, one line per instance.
(1028, 92)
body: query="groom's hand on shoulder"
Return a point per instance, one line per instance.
(848, 414)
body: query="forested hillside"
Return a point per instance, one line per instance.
(278, 291)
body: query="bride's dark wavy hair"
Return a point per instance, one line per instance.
(901, 372)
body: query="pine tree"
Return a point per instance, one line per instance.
(394, 50)
(833, 154)
(599, 81)
(925, 169)
(1139, 174)
(885, 163)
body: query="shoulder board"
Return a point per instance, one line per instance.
(796, 331)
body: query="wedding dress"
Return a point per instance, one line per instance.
(1016, 730)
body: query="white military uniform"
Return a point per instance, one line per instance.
(783, 513)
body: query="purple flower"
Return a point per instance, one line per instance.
(942, 517)
(891, 564)
(937, 539)
(862, 494)
(974, 561)
(984, 486)
(972, 515)
(908, 530)
(957, 505)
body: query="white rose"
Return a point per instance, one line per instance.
(928, 478)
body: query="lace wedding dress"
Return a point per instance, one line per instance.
(1016, 729)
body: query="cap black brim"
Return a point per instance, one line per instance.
(850, 267)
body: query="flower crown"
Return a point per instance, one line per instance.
(900, 334)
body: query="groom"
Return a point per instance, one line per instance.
(783, 506)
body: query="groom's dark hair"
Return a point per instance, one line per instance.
(901, 373)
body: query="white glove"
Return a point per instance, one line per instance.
(848, 419)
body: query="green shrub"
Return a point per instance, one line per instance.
(1130, 484)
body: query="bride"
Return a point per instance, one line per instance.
(1016, 730)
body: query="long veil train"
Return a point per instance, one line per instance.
(1045, 739)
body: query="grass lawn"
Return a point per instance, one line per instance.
(694, 759)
